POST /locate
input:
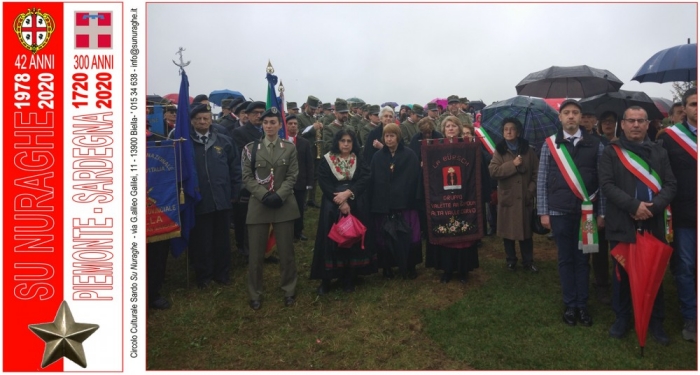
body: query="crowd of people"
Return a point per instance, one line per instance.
(366, 161)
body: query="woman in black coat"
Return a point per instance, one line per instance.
(394, 175)
(343, 178)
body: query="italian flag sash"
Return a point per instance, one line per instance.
(485, 140)
(640, 169)
(685, 138)
(588, 233)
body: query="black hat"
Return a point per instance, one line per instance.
(432, 106)
(292, 105)
(452, 99)
(570, 101)
(312, 101)
(226, 102)
(233, 103)
(341, 105)
(199, 98)
(272, 112)
(291, 117)
(373, 110)
(199, 108)
(588, 111)
(240, 107)
(254, 105)
(170, 108)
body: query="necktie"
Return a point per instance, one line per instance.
(572, 140)
(203, 139)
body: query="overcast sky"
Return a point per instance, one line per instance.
(407, 53)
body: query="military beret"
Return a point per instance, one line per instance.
(272, 112)
(432, 107)
(292, 105)
(199, 108)
(291, 117)
(570, 101)
(255, 105)
(327, 106)
(199, 98)
(233, 103)
(452, 99)
(374, 110)
(341, 105)
(464, 100)
(312, 101)
(241, 107)
(418, 109)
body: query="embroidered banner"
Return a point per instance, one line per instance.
(452, 181)
(162, 206)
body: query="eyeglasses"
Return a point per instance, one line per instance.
(639, 121)
(258, 112)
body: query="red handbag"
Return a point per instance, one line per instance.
(348, 231)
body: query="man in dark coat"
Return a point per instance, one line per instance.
(560, 209)
(632, 205)
(680, 141)
(306, 172)
(219, 172)
(230, 120)
(249, 132)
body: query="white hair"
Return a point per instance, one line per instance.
(386, 109)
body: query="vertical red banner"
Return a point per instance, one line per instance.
(32, 178)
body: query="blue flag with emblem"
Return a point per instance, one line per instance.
(274, 101)
(162, 205)
(186, 171)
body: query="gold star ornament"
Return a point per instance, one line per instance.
(64, 337)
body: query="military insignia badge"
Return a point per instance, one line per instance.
(218, 149)
(273, 110)
(34, 29)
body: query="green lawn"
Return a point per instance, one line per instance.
(497, 321)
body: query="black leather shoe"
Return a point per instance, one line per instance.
(570, 316)
(619, 328)
(289, 301)
(511, 267)
(446, 277)
(584, 318)
(303, 237)
(160, 304)
(531, 268)
(324, 287)
(255, 305)
(463, 278)
(657, 332)
(203, 284)
(311, 204)
(411, 274)
(272, 259)
(388, 273)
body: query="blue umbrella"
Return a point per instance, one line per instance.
(538, 118)
(675, 64)
(217, 96)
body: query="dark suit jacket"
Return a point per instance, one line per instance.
(306, 164)
(246, 134)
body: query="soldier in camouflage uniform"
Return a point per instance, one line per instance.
(453, 110)
(371, 124)
(410, 127)
(305, 119)
(433, 114)
(340, 122)
(328, 115)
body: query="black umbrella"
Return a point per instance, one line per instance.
(156, 99)
(619, 101)
(478, 105)
(398, 238)
(568, 82)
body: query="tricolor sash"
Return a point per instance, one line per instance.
(588, 233)
(640, 169)
(485, 140)
(685, 138)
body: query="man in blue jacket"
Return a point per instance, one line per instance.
(219, 174)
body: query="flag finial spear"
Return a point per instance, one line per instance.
(182, 63)
(281, 88)
(270, 69)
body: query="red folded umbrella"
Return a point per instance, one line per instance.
(174, 97)
(645, 262)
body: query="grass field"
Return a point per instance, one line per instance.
(498, 321)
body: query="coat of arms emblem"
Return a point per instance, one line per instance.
(34, 29)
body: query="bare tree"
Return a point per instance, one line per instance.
(679, 88)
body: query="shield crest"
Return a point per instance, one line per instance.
(34, 29)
